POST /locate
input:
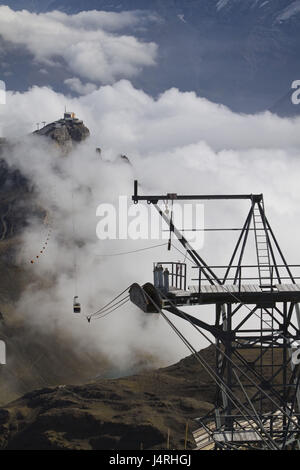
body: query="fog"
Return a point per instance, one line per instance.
(178, 142)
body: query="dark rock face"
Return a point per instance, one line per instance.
(16, 192)
(127, 413)
(14, 195)
(65, 132)
(19, 204)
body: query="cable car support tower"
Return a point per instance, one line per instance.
(254, 329)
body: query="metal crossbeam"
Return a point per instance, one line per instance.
(253, 328)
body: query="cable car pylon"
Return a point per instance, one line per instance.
(256, 329)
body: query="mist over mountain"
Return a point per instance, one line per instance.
(181, 89)
(243, 54)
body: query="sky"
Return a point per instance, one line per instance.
(177, 142)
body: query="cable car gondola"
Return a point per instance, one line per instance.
(76, 305)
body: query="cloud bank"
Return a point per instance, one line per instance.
(91, 43)
(178, 142)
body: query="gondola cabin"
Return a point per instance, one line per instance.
(76, 305)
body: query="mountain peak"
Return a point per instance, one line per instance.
(66, 131)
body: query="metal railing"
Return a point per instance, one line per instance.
(237, 275)
(176, 274)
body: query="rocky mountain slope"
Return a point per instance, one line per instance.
(126, 413)
(14, 190)
(32, 361)
(65, 132)
(17, 192)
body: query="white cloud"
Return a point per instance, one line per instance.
(87, 42)
(289, 11)
(176, 143)
(76, 85)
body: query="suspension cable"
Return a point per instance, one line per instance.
(111, 311)
(133, 251)
(109, 303)
(232, 362)
(211, 372)
(112, 306)
(216, 378)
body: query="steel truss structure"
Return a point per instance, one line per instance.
(256, 330)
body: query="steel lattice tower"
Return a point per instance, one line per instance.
(256, 331)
